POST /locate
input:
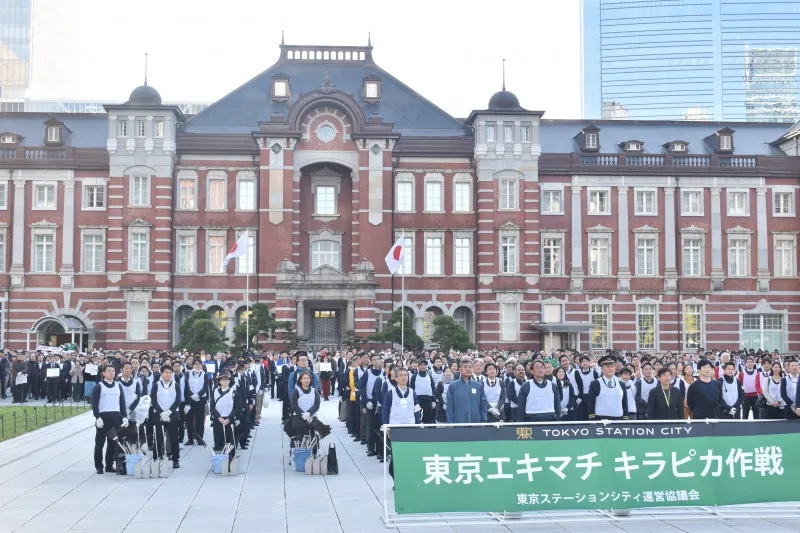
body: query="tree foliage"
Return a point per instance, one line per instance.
(392, 332)
(351, 341)
(448, 334)
(293, 340)
(262, 322)
(199, 332)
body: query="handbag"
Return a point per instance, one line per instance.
(316, 465)
(333, 462)
(310, 466)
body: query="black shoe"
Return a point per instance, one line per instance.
(356, 439)
(243, 446)
(100, 470)
(190, 443)
(371, 454)
(364, 441)
(175, 464)
(111, 470)
(381, 460)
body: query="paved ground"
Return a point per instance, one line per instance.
(48, 484)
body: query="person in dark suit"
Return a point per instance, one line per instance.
(665, 401)
(36, 366)
(52, 382)
(283, 386)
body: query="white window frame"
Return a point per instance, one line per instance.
(739, 236)
(462, 181)
(592, 191)
(405, 179)
(491, 133)
(508, 240)
(250, 259)
(122, 127)
(639, 307)
(525, 133)
(185, 202)
(158, 128)
(132, 179)
(685, 212)
(462, 255)
(3, 247)
(726, 141)
(509, 316)
(143, 307)
(4, 195)
(511, 201)
(779, 239)
(217, 176)
(590, 140)
(544, 245)
(181, 266)
(85, 186)
(43, 232)
(46, 206)
(439, 271)
(702, 254)
(545, 189)
(430, 206)
(508, 133)
(337, 264)
(215, 267)
(605, 264)
(606, 312)
(407, 266)
(93, 232)
(729, 203)
(781, 192)
(639, 266)
(280, 89)
(645, 191)
(54, 134)
(242, 177)
(372, 89)
(700, 312)
(323, 189)
(138, 230)
(139, 128)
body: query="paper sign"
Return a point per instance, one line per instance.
(91, 369)
(324, 367)
(211, 367)
(53, 372)
(22, 379)
(279, 369)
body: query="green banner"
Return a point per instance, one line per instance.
(524, 467)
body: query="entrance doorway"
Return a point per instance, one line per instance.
(325, 329)
(58, 331)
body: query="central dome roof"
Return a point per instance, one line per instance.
(504, 100)
(144, 95)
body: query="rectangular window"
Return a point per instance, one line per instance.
(158, 128)
(44, 252)
(139, 250)
(216, 253)
(551, 256)
(526, 134)
(598, 203)
(591, 140)
(53, 134)
(246, 200)
(462, 263)
(509, 321)
(326, 200)
(188, 193)
(509, 194)
(551, 202)
(140, 190)
(94, 197)
(462, 199)
(646, 256)
(784, 257)
(508, 134)
(599, 256)
(137, 321)
(725, 142)
(122, 128)
(371, 89)
(280, 89)
(783, 203)
(187, 252)
(490, 134)
(763, 332)
(217, 192)
(405, 196)
(737, 258)
(692, 326)
(2, 251)
(247, 263)
(645, 202)
(140, 128)
(433, 256)
(3, 200)
(737, 203)
(598, 336)
(508, 254)
(407, 266)
(44, 196)
(646, 327)
(94, 257)
(691, 203)
(692, 257)
(433, 196)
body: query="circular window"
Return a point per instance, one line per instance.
(326, 133)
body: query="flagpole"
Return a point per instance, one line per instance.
(247, 296)
(403, 300)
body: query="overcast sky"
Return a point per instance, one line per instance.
(448, 51)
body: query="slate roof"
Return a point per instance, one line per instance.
(86, 130)
(558, 136)
(242, 110)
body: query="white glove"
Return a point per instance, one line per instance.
(433, 405)
(564, 412)
(578, 401)
(383, 428)
(99, 423)
(124, 422)
(306, 416)
(237, 423)
(165, 416)
(732, 411)
(370, 406)
(187, 408)
(195, 397)
(495, 413)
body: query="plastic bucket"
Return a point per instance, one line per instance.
(217, 461)
(301, 455)
(130, 463)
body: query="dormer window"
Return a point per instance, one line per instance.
(721, 141)
(280, 89)
(632, 146)
(7, 139)
(677, 147)
(726, 142)
(53, 134)
(590, 141)
(371, 91)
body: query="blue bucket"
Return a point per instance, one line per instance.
(130, 463)
(217, 461)
(301, 455)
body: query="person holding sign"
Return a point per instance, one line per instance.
(608, 397)
(52, 379)
(19, 380)
(324, 368)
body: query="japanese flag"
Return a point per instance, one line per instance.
(395, 256)
(239, 249)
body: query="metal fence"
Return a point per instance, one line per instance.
(23, 419)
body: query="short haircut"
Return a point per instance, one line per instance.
(626, 370)
(490, 365)
(729, 363)
(664, 370)
(704, 362)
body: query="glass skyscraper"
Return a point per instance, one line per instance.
(733, 60)
(16, 29)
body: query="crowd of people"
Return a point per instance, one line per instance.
(162, 400)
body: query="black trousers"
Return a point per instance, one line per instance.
(52, 390)
(428, 413)
(583, 408)
(110, 420)
(222, 435)
(3, 386)
(355, 416)
(749, 404)
(196, 420)
(166, 430)
(372, 429)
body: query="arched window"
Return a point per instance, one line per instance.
(463, 317)
(326, 253)
(241, 315)
(219, 316)
(427, 322)
(181, 315)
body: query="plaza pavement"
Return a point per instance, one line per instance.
(48, 484)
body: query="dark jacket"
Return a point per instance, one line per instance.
(466, 402)
(657, 407)
(234, 412)
(297, 412)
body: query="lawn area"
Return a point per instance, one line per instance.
(15, 421)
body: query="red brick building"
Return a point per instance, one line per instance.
(532, 233)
